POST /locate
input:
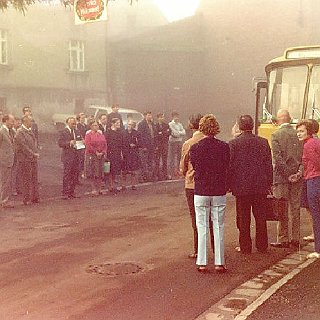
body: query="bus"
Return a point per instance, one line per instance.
(293, 83)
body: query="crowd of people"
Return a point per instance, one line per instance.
(248, 168)
(106, 151)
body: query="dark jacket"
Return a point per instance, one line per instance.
(251, 169)
(210, 159)
(162, 134)
(287, 153)
(146, 137)
(26, 145)
(83, 128)
(68, 153)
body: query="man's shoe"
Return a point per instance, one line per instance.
(192, 255)
(35, 201)
(73, 196)
(7, 206)
(280, 244)
(313, 255)
(309, 238)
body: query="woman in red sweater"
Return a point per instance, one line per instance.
(311, 163)
(96, 149)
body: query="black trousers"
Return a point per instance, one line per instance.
(161, 155)
(70, 175)
(190, 201)
(244, 205)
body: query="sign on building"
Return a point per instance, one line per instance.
(90, 11)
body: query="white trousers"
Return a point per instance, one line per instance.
(204, 206)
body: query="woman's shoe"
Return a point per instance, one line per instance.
(202, 269)
(220, 269)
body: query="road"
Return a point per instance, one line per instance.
(113, 257)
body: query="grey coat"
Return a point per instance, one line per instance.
(6, 149)
(287, 153)
(26, 145)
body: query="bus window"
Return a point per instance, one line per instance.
(286, 90)
(313, 106)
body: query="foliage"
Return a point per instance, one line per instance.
(21, 5)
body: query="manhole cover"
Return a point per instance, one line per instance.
(115, 269)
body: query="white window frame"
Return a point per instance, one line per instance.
(76, 56)
(3, 46)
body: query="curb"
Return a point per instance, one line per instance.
(242, 301)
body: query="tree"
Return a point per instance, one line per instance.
(22, 5)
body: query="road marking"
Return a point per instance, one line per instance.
(243, 300)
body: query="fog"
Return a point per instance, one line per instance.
(204, 63)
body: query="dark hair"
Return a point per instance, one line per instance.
(69, 118)
(245, 123)
(103, 114)
(315, 125)
(160, 115)
(114, 120)
(115, 105)
(5, 118)
(147, 112)
(309, 126)
(209, 125)
(25, 108)
(174, 114)
(91, 122)
(194, 120)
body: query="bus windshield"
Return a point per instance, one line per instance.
(313, 106)
(286, 90)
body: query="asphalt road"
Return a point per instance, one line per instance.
(112, 257)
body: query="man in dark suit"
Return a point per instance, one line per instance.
(70, 157)
(7, 154)
(103, 119)
(162, 134)
(250, 180)
(146, 131)
(27, 156)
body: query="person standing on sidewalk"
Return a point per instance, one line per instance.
(210, 159)
(175, 144)
(71, 143)
(27, 156)
(7, 155)
(250, 180)
(288, 169)
(310, 158)
(187, 171)
(162, 134)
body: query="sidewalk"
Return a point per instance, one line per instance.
(290, 289)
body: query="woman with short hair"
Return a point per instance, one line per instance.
(210, 159)
(96, 149)
(311, 175)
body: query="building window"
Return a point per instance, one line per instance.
(3, 46)
(76, 55)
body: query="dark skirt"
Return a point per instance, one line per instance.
(93, 167)
(116, 163)
(132, 160)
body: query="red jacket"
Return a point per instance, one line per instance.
(311, 158)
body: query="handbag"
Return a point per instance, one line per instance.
(106, 167)
(275, 208)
